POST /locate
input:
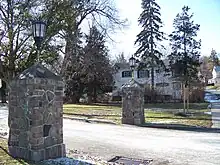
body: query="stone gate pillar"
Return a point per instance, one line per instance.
(36, 115)
(133, 103)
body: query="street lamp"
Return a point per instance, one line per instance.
(38, 30)
(132, 63)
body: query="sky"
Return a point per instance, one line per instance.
(206, 13)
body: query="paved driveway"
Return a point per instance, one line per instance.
(168, 146)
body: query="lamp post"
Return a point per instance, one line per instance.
(38, 30)
(132, 63)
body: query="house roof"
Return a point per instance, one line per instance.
(217, 68)
(126, 65)
(122, 65)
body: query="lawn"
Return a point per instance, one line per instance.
(154, 113)
(5, 158)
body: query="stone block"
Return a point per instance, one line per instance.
(37, 110)
(37, 147)
(36, 141)
(54, 131)
(58, 103)
(37, 122)
(37, 129)
(49, 141)
(13, 143)
(37, 155)
(37, 134)
(14, 125)
(60, 83)
(18, 152)
(22, 82)
(15, 132)
(51, 82)
(33, 102)
(37, 116)
(30, 81)
(127, 120)
(23, 139)
(37, 81)
(55, 151)
(58, 98)
(13, 102)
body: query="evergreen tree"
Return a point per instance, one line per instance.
(96, 65)
(150, 35)
(74, 74)
(214, 58)
(184, 59)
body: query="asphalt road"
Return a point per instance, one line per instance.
(164, 146)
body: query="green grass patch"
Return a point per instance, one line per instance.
(195, 119)
(211, 87)
(165, 114)
(112, 113)
(6, 159)
(193, 106)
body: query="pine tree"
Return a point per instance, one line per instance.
(184, 59)
(73, 76)
(214, 58)
(150, 35)
(97, 65)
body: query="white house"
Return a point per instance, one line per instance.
(216, 75)
(164, 83)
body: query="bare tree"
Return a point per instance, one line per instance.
(102, 13)
(15, 36)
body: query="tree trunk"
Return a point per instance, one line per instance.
(184, 99)
(74, 99)
(89, 94)
(152, 85)
(187, 99)
(67, 57)
(3, 92)
(94, 95)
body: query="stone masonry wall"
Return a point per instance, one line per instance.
(132, 104)
(36, 119)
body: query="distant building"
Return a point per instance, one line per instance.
(165, 85)
(215, 76)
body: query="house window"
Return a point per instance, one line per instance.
(162, 84)
(176, 86)
(143, 74)
(126, 74)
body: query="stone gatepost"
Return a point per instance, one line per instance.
(36, 115)
(133, 103)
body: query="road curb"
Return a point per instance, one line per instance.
(183, 128)
(90, 120)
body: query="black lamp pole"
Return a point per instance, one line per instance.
(38, 30)
(132, 63)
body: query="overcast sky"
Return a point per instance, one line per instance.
(206, 13)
